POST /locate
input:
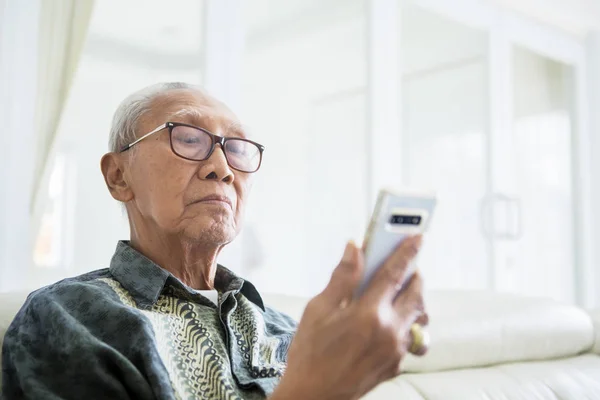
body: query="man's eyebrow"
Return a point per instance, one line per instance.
(188, 112)
(238, 128)
(197, 117)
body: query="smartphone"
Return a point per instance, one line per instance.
(397, 215)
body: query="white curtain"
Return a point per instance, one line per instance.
(63, 27)
(18, 74)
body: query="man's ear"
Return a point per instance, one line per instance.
(112, 166)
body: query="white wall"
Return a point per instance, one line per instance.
(303, 97)
(445, 113)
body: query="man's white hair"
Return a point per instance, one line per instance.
(129, 112)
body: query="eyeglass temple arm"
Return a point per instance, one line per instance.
(130, 145)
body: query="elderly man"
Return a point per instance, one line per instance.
(165, 321)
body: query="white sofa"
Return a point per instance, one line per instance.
(484, 346)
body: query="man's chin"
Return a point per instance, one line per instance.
(217, 234)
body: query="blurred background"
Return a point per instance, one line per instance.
(491, 103)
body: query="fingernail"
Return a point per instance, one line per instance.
(348, 252)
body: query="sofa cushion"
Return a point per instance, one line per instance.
(10, 303)
(394, 389)
(573, 378)
(291, 305)
(478, 328)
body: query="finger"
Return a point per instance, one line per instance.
(391, 275)
(410, 310)
(409, 303)
(423, 319)
(346, 276)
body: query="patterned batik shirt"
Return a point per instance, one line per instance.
(134, 331)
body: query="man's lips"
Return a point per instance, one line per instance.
(215, 199)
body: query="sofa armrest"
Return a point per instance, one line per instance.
(595, 314)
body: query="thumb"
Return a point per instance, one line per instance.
(346, 276)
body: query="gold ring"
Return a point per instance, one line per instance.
(420, 339)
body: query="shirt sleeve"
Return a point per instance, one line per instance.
(51, 352)
(281, 320)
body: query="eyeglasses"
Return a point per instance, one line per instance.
(197, 144)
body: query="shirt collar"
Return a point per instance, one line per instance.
(145, 280)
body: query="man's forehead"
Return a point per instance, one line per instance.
(191, 105)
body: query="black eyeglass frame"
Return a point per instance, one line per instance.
(216, 139)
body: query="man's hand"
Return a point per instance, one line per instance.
(344, 347)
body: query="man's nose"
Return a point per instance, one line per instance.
(216, 167)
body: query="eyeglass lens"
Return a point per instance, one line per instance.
(195, 144)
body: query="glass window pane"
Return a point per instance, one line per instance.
(47, 245)
(542, 133)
